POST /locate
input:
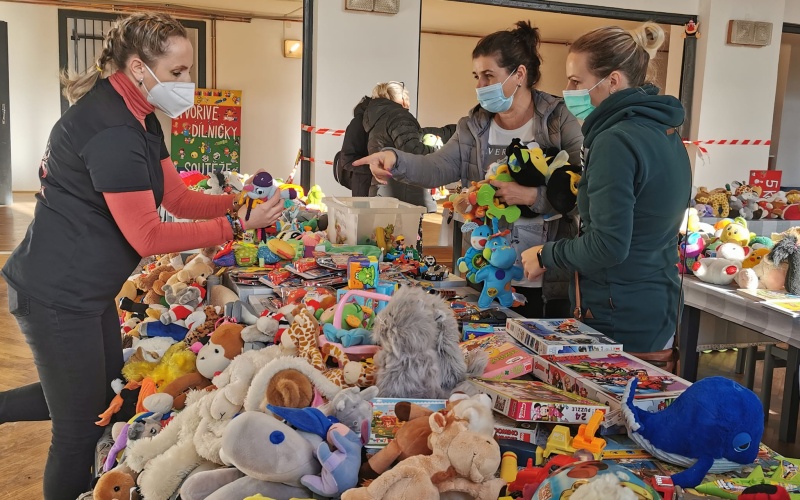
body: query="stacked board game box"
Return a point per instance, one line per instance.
(530, 401)
(507, 359)
(602, 377)
(558, 336)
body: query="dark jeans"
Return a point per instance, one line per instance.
(77, 356)
(536, 307)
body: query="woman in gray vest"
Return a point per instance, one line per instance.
(506, 68)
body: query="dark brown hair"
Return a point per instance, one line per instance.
(145, 35)
(514, 48)
(613, 48)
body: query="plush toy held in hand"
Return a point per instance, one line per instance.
(262, 189)
(714, 426)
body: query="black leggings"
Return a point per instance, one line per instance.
(77, 356)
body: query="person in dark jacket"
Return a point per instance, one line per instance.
(389, 124)
(354, 146)
(632, 195)
(405, 129)
(506, 69)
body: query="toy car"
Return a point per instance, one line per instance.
(663, 485)
(437, 272)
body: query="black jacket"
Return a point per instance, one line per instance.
(354, 144)
(390, 125)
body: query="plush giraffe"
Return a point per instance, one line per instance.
(351, 373)
(303, 337)
(717, 199)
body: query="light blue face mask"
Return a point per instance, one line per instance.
(579, 103)
(492, 98)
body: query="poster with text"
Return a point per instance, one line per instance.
(206, 138)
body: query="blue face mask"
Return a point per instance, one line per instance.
(492, 98)
(579, 103)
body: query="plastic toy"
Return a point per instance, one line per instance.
(561, 442)
(497, 275)
(362, 272)
(531, 477)
(663, 486)
(508, 467)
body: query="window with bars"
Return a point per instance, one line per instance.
(81, 35)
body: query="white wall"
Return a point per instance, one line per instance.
(674, 67)
(734, 90)
(792, 12)
(446, 84)
(33, 80)
(250, 59)
(352, 52)
(447, 87)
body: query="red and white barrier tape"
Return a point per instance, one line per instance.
(314, 160)
(322, 131)
(727, 142)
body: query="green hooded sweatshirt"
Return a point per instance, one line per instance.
(632, 195)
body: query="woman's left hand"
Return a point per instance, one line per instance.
(512, 193)
(530, 263)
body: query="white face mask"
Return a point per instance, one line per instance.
(173, 98)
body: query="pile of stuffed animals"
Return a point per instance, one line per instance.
(728, 252)
(738, 199)
(260, 405)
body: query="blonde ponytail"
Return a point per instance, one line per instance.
(145, 35)
(650, 37)
(612, 48)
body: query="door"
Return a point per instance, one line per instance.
(5, 129)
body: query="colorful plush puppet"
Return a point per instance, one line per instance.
(262, 189)
(533, 167)
(473, 260)
(498, 274)
(714, 426)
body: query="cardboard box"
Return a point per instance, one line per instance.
(385, 423)
(602, 376)
(507, 359)
(528, 432)
(531, 401)
(558, 336)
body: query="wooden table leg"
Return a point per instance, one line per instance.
(687, 342)
(791, 397)
(766, 380)
(456, 246)
(751, 353)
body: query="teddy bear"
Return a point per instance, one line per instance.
(153, 282)
(462, 459)
(195, 271)
(716, 270)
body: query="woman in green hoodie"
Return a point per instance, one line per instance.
(635, 186)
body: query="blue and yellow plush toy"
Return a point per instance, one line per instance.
(498, 273)
(473, 260)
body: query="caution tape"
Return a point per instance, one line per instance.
(727, 142)
(314, 160)
(322, 131)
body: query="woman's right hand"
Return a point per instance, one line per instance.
(380, 164)
(264, 214)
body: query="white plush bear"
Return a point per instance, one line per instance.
(716, 270)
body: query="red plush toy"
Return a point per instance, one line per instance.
(764, 492)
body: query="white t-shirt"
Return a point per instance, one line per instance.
(525, 233)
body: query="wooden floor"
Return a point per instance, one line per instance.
(23, 446)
